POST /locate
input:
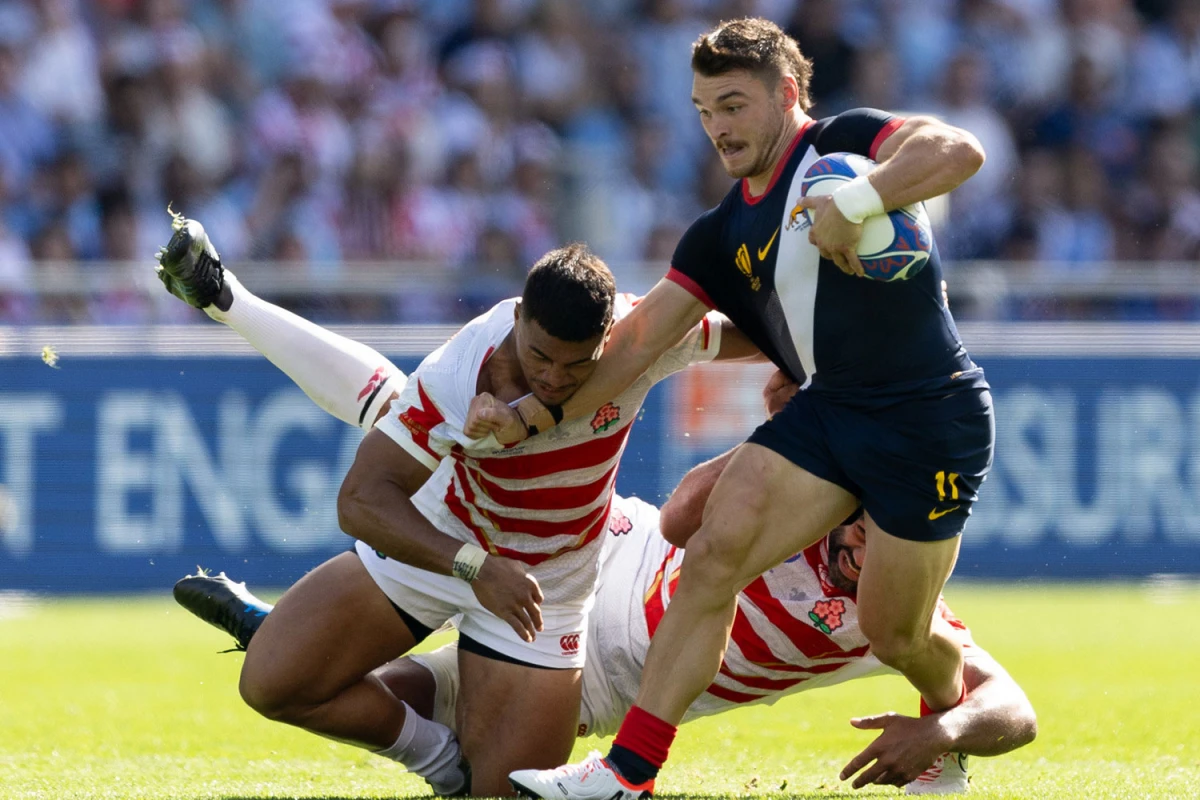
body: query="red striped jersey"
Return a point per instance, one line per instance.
(794, 630)
(545, 501)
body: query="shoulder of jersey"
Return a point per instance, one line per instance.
(449, 373)
(624, 303)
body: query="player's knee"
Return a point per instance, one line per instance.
(712, 561)
(893, 645)
(267, 696)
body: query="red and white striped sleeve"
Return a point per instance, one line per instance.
(428, 417)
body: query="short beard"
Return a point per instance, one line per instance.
(767, 149)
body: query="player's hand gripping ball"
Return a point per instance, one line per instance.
(894, 246)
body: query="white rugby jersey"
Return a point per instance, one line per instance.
(545, 501)
(794, 630)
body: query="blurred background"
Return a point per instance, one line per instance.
(390, 165)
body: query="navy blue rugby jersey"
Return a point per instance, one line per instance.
(838, 334)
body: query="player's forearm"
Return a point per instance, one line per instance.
(683, 513)
(659, 322)
(933, 160)
(379, 513)
(736, 346)
(995, 718)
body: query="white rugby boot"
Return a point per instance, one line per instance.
(948, 775)
(593, 779)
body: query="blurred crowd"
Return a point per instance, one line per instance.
(476, 134)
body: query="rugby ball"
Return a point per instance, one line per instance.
(895, 246)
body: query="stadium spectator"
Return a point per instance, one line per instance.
(408, 130)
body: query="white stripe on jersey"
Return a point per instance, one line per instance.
(796, 269)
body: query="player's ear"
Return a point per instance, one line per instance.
(790, 91)
(517, 312)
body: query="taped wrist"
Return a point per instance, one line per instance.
(536, 416)
(858, 200)
(468, 561)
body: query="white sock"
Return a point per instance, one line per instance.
(344, 377)
(428, 749)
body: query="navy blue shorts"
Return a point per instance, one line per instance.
(915, 465)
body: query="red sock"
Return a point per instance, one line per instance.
(646, 736)
(926, 710)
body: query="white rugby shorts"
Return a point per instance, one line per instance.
(433, 599)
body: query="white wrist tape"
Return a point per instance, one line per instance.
(468, 561)
(858, 200)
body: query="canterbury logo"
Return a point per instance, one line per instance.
(936, 514)
(570, 644)
(762, 251)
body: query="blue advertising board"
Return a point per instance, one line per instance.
(131, 464)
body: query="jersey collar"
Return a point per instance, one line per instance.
(787, 155)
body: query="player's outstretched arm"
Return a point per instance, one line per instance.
(736, 346)
(683, 512)
(658, 322)
(374, 506)
(348, 379)
(995, 718)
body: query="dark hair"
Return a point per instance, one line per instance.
(570, 292)
(756, 45)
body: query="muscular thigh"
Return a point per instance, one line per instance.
(920, 464)
(901, 581)
(764, 509)
(327, 631)
(512, 717)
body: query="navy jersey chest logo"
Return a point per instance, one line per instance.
(746, 267)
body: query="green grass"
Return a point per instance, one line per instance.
(127, 698)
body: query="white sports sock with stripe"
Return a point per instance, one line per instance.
(428, 749)
(346, 378)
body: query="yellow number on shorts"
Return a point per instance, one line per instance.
(944, 478)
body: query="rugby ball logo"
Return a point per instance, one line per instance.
(895, 246)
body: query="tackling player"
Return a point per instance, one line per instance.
(802, 612)
(893, 414)
(507, 537)
(797, 629)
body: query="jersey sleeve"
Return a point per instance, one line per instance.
(427, 418)
(699, 346)
(860, 131)
(692, 261)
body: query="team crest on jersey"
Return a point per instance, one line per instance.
(618, 523)
(742, 259)
(605, 418)
(797, 219)
(827, 615)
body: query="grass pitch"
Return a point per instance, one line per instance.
(128, 698)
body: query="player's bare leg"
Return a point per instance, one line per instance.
(309, 663)
(501, 730)
(898, 591)
(762, 510)
(409, 681)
